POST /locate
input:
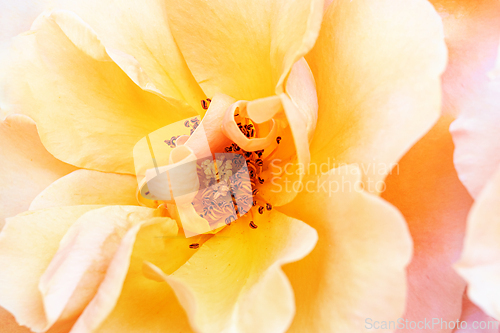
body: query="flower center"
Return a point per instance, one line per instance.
(229, 184)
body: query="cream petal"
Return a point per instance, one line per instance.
(247, 48)
(116, 279)
(17, 16)
(475, 131)
(86, 251)
(479, 263)
(87, 187)
(377, 67)
(62, 66)
(144, 305)
(26, 168)
(28, 243)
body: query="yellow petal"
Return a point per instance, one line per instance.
(68, 69)
(26, 167)
(377, 67)
(479, 264)
(142, 31)
(145, 305)
(357, 270)
(87, 187)
(245, 49)
(28, 243)
(77, 269)
(235, 282)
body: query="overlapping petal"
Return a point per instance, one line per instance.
(472, 34)
(474, 320)
(84, 255)
(26, 167)
(475, 133)
(377, 66)
(9, 323)
(87, 187)
(28, 243)
(234, 282)
(89, 113)
(472, 30)
(479, 263)
(143, 32)
(357, 270)
(244, 49)
(146, 303)
(425, 187)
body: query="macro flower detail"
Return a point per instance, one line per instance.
(259, 92)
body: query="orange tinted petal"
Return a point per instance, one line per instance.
(425, 188)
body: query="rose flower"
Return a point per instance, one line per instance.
(352, 88)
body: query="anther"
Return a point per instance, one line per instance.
(194, 246)
(253, 225)
(261, 180)
(261, 210)
(278, 139)
(269, 206)
(259, 162)
(205, 103)
(186, 123)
